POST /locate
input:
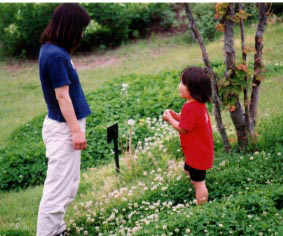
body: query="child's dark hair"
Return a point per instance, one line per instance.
(198, 83)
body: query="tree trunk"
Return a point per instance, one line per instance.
(263, 9)
(237, 114)
(244, 57)
(213, 79)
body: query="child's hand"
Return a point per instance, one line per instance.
(166, 115)
(172, 112)
(175, 115)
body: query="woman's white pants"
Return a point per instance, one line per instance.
(63, 176)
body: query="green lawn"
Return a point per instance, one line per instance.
(20, 92)
(21, 100)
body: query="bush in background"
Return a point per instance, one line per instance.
(21, 24)
(204, 17)
(119, 22)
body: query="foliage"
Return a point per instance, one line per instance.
(236, 216)
(271, 134)
(21, 24)
(206, 23)
(14, 233)
(277, 7)
(156, 198)
(208, 16)
(123, 21)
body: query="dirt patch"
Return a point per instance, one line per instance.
(94, 62)
(81, 62)
(15, 67)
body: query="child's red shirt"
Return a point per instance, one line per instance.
(197, 143)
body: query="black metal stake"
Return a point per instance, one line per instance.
(112, 135)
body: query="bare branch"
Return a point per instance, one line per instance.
(213, 79)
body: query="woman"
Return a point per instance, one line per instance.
(64, 127)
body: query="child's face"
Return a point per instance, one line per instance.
(183, 90)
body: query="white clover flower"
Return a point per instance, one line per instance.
(279, 154)
(85, 232)
(135, 229)
(251, 158)
(188, 231)
(177, 230)
(125, 87)
(131, 122)
(112, 217)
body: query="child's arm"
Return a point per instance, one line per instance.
(175, 123)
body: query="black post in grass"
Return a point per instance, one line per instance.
(112, 135)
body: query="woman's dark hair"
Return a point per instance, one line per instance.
(66, 26)
(198, 83)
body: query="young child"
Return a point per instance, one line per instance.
(193, 125)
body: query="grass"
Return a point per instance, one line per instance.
(20, 93)
(23, 205)
(21, 99)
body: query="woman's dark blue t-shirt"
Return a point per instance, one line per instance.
(56, 69)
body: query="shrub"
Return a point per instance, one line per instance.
(277, 7)
(123, 21)
(21, 24)
(204, 16)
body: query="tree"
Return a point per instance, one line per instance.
(213, 79)
(263, 12)
(235, 79)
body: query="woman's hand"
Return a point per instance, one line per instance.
(67, 109)
(79, 140)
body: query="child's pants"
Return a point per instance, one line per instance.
(63, 176)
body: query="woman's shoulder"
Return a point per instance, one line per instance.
(53, 51)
